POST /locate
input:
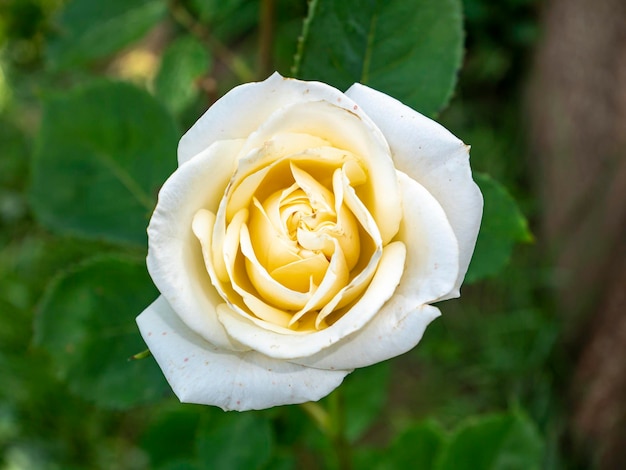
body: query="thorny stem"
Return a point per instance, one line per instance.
(297, 60)
(182, 16)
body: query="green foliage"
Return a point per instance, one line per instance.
(86, 323)
(13, 175)
(184, 63)
(417, 447)
(170, 438)
(103, 152)
(504, 441)
(365, 395)
(498, 442)
(89, 30)
(233, 440)
(79, 174)
(229, 18)
(409, 50)
(503, 226)
(193, 437)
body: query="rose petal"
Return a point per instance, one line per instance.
(289, 346)
(396, 329)
(432, 248)
(272, 290)
(201, 373)
(435, 158)
(353, 131)
(175, 259)
(430, 272)
(243, 109)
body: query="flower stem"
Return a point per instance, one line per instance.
(340, 442)
(318, 415)
(332, 424)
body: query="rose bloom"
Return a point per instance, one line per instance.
(304, 234)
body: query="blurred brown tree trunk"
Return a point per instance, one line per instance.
(578, 133)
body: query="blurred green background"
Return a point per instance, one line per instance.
(486, 388)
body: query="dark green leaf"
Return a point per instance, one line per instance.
(15, 154)
(517, 343)
(86, 322)
(228, 19)
(184, 62)
(89, 30)
(102, 154)
(498, 442)
(15, 332)
(364, 394)
(417, 447)
(409, 50)
(170, 438)
(214, 10)
(235, 440)
(503, 226)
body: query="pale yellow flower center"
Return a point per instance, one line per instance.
(292, 245)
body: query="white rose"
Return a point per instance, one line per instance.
(304, 234)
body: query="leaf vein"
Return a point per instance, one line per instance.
(127, 181)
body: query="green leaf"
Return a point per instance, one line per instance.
(13, 174)
(517, 343)
(89, 30)
(15, 152)
(409, 50)
(416, 447)
(102, 153)
(215, 10)
(235, 440)
(498, 442)
(364, 396)
(15, 332)
(228, 19)
(169, 440)
(503, 226)
(185, 61)
(86, 323)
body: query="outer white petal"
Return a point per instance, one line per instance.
(242, 110)
(430, 272)
(175, 260)
(199, 372)
(435, 158)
